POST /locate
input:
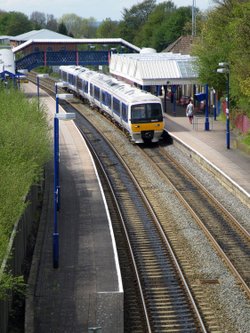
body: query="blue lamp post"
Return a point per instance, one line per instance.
(214, 104)
(60, 84)
(173, 90)
(225, 70)
(22, 74)
(38, 77)
(206, 109)
(58, 116)
(56, 141)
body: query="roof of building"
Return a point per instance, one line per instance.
(39, 34)
(5, 37)
(155, 68)
(88, 41)
(182, 45)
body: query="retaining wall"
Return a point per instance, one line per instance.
(18, 246)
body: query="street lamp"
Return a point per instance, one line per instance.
(60, 84)
(56, 124)
(225, 70)
(21, 74)
(58, 116)
(214, 103)
(206, 109)
(38, 77)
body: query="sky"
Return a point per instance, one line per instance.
(99, 9)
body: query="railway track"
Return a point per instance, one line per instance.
(166, 301)
(152, 270)
(228, 237)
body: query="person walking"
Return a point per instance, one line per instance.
(190, 111)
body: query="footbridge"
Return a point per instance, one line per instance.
(85, 52)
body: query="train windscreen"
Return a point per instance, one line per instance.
(143, 113)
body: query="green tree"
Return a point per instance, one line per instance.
(239, 29)
(108, 29)
(88, 28)
(135, 18)
(225, 38)
(62, 29)
(14, 23)
(164, 25)
(151, 33)
(72, 23)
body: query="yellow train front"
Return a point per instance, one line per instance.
(146, 121)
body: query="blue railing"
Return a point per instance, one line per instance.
(84, 58)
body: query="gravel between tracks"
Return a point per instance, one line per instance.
(232, 306)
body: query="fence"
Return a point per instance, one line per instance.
(199, 122)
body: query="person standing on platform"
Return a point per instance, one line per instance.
(190, 111)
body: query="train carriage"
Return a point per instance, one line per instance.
(139, 113)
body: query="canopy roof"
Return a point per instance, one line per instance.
(155, 68)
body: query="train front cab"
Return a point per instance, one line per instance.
(147, 123)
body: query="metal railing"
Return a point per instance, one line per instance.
(199, 122)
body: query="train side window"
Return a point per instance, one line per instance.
(116, 106)
(72, 79)
(108, 100)
(85, 86)
(125, 112)
(104, 97)
(79, 83)
(97, 93)
(64, 76)
(91, 89)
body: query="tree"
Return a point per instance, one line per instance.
(73, 24)
(108, 29)
(88, 28)
(14, 23)
(38, 20)
(150, 33)
(51, 22)
(135, 18)
(225, 38)
(239, 29)
(62, 29)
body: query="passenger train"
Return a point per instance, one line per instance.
(137, 112)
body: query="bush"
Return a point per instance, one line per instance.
(246, 139)
(24, 149)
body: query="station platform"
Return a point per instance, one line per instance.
(209, 147)
(85, 292)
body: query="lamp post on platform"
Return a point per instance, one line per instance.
(214, 103)
(38, 77)
(60, 84)
(224, 69)
(21, 74)
(58, 116)
(206, 109)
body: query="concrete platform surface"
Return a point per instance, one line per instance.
(211, 145)
(85, 290)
